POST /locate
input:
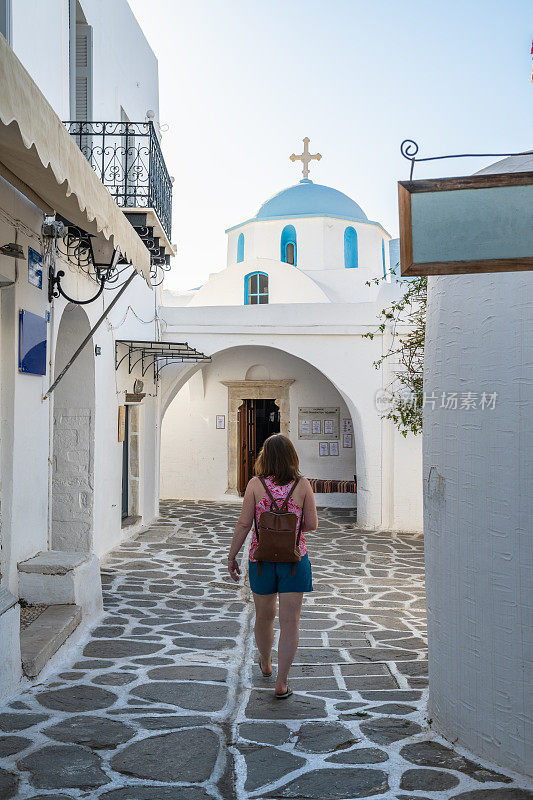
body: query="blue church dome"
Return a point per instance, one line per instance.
(308, 199)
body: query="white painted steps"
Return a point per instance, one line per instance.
(40, 640)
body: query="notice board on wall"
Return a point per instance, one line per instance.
(319, 423)
(32, 343)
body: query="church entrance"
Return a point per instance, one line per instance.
(257, 420)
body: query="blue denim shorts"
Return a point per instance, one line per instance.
(276, 577)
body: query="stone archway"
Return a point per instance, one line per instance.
(73, 443)
(252, 390)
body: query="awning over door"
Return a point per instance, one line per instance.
(155, 355)
(40, 158)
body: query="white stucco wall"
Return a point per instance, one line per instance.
(26, 436)
(330, 338)
(41, 41)
(478, 475)
(285, 282)
(194, 454)
(110, 389)
(124, 76)
(319, 275)
(125, 72)
(320, 242)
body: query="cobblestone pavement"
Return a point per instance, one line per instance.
(164, 700)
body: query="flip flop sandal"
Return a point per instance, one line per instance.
(284, 695)
(264, 674)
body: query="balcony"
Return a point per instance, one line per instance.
(127, 158)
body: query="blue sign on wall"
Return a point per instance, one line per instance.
(32, 343)
(35, 268)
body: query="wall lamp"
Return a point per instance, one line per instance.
(104, 258)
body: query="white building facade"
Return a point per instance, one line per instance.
(478, 512)
(284, 325)
(80, 466)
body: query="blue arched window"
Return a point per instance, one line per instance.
(350, 248)
(288, 245)
(255, 288)
(383, 258)
(240, 247)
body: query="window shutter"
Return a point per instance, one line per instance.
(5, 20)
(84, 70)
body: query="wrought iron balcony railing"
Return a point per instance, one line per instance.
(127, 158)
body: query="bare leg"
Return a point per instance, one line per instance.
(290, 605)
(265, 613)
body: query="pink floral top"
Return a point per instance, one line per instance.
(279, 493)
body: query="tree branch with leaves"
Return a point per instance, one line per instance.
(405, 352)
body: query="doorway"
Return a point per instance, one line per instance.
(257, 420)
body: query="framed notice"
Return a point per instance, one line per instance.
(32, 343)
(347, 426)
(319, 423)
(35, 268)
(221, 421)
(347, 440)
(323, 448)
(304, 428)
(333, 448)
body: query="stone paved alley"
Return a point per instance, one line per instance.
(164, 701)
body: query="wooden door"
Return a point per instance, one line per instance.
(247, 443)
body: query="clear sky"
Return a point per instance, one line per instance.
(243, 81)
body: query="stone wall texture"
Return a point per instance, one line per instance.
(72, 509)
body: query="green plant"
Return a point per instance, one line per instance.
(406, 351)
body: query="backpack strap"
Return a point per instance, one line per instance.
(291, 490)
(299, 534)
(272, 503)
(269, 493)
(300, 525)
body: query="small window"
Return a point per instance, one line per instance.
(351, 260)
(383, 258)
(289, 252)
(256, 289)
(288, 245)
(240, 248)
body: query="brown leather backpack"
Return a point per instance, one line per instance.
(278, 533)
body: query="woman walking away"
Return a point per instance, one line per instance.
(280, 505)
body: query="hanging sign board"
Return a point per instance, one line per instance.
(474, 224)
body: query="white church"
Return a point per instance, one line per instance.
(283, 325)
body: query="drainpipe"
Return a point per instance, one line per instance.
(49, 261)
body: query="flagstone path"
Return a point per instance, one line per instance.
(164, 700)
